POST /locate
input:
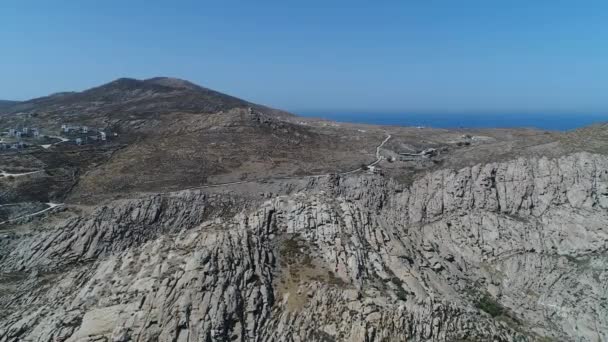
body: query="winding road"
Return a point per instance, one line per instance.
(378, 157)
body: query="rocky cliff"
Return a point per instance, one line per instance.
(513, 251)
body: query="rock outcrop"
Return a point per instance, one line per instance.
(514, 251)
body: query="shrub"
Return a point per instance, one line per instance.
(489, 305)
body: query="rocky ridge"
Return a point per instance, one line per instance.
(513, 251)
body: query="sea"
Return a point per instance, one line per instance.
(556, 122)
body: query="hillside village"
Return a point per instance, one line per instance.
(22, 137)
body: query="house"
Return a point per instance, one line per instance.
(102, 135)
(65, 128)
(11, 132)
(428, 153)
(78, 141)
(85, 129)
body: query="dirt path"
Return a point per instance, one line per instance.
(378, 157)
(59, 142)
(50, 204)
(6, 174)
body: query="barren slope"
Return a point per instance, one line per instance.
(165, 134)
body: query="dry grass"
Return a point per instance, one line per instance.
(299, 268)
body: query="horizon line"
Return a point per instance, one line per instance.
(308, 112)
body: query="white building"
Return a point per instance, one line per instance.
(102, 135)
(78, 141)
(65, 128)
(85, 129)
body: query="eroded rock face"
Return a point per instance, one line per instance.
(511, 251)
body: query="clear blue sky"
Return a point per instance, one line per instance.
(500, 56)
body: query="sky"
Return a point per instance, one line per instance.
(307, 56)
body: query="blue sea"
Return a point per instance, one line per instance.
(559, 122)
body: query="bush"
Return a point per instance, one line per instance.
(489, 305)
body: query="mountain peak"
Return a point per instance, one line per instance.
(137, 97)
(173, 82)
(156, 82)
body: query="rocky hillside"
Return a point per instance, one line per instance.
(510, 251)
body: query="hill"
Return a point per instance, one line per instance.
(166, 134)
(127, 99)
